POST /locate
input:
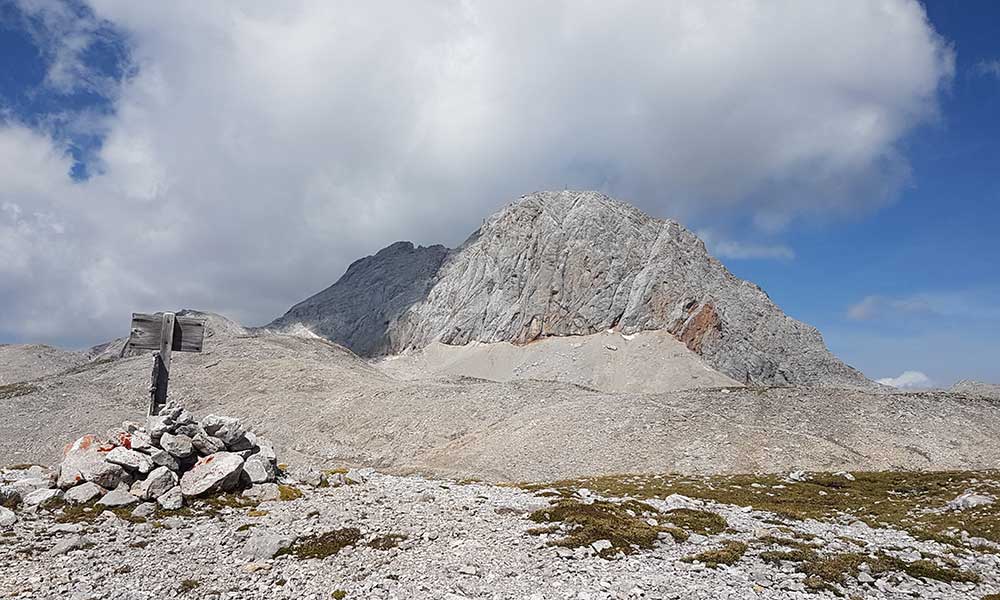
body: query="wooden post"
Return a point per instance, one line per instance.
(161, 364)
(164, 333)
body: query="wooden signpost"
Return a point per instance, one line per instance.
(164, 333)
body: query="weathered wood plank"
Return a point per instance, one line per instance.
(188, 333)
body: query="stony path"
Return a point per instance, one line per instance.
(462, 541)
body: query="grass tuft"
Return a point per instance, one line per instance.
(386, 542)
(324, 544)
(729, 554)
(287, 493)
(623, 524)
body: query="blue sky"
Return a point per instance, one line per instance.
(938, 240)
(274, 145)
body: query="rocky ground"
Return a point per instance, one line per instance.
(646, 362)
(320, 404)
(408, 537)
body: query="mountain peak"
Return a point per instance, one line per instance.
(565, 263)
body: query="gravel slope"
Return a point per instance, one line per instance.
(23, 362)
(322, 404)
(647, 362)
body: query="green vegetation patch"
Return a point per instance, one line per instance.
(835, 568)
(324, 544)
(696, 521)
(13, 390)
(623, 524)
(188, 585)
(287, 493)
(386, 542)
(899, 499)
(729, 554)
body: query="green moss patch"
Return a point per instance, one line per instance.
(13, 390)
(896, 499)
(386, 542)
(729, 554)
(696, 521)
(623, 524)
(324, 544)
(287, 493)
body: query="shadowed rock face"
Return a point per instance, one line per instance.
(569, 263)
(359, 311)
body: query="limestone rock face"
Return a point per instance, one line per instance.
(569, 263)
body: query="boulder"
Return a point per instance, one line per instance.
(157, 425)
(259, 469)
(116, 498)
(77, 542)
(162, 458)
(146, 509)
(969, 500)
(117, 436)
(263, 492)
(32, 472)
(184, 418)
(206, 444)
(159, 481)
(131, 426)
(227, 429)
(355, 476)
(308, 476)
(217, 472)
(244, 443)
(83, 493)
(178, 446)
(266, 449)
(26, 486)
(7, 517)
(172, 499)
(130, 459)
(10, 496)
(141, 440)
(83, 460)
(265, 546)
(40, 497)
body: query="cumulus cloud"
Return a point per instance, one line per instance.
(908, 380)
(258, 148)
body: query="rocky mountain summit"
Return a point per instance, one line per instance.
(569, 264)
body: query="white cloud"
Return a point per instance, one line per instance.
(979, 303)
(871, 307)
(989, 67)
(908, 380)
(739, 250)
(261, 147)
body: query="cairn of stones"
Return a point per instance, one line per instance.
(170, 459)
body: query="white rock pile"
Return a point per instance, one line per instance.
(168, 459)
